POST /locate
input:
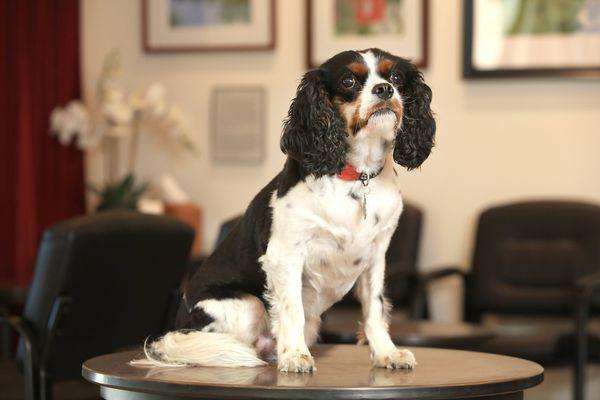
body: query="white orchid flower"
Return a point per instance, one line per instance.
(115, 110)
(154, 97)
(71, 122)
(118, 115)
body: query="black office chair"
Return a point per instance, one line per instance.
(537, 259)
(102, 282)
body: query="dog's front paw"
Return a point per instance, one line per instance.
(397, 358)
(295, 361)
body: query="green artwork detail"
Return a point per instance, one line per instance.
(531, 17)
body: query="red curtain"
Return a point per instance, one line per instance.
(42, 181)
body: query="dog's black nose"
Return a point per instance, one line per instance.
(383, 90)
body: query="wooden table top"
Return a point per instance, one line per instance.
(340, 326)
(343, 372)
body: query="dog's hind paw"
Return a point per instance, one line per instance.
(296, 362)
(397, 359)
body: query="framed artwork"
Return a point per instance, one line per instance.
(397, 26)
(208, 25)
(238, 124)
(506, 38)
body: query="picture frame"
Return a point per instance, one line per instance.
(398, 26)
(238, 124)
(199, 26)
(515, 42)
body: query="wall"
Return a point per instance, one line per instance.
(498, 140)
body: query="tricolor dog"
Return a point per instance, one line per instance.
(321, 225)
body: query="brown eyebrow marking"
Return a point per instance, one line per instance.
(359, 69)
(384, 67)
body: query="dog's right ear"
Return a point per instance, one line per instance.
(314, 134)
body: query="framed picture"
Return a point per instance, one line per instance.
(505, 38)
(397, 26)
(238, 124)
(208, 25)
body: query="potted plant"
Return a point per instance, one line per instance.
(119, 119)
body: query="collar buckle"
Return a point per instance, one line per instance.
(364, 178)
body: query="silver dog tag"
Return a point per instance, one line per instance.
(365, 178)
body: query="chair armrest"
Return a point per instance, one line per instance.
(427, 277)
(30, 365)
(418, 304)
(587, 285)
(584, 288)
(441, 273)
(22, 328)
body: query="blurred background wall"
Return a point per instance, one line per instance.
(498, 140)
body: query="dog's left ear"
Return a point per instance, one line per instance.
(314, 133)
(415, 137)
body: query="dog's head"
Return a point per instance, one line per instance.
(354, 94)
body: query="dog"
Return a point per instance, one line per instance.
(322, 225)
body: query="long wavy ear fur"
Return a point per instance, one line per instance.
(416, 136)
(314, 134)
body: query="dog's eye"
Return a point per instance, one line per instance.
(348, 82)
(395, 78)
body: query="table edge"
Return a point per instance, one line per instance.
(316, 393)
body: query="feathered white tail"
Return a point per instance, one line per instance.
(207, 349)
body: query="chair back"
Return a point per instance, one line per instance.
(102, 282)
(402, 254)
(527, 255)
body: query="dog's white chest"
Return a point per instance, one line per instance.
(325, 220)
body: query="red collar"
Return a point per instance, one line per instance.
(350, 173)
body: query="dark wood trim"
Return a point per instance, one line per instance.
(144, 16)
(423, 63)
(148, 48)
(467, 39)
(309, 35)
(112, 393)
(470, 72)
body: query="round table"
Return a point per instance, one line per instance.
(340, 326)
(343, 372)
